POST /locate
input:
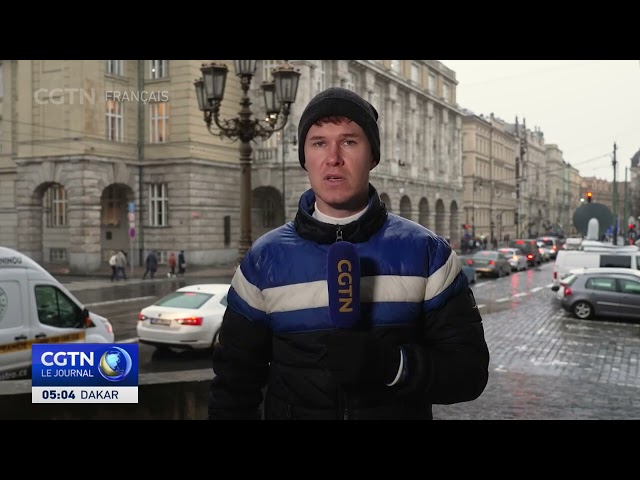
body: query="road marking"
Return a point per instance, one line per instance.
(549, 286)
(478, 285)
(111, 302)
(520, 294)
(537, 289)
(505, 299)
(482, 305)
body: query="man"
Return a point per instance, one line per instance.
(151, 265)
(420, 340)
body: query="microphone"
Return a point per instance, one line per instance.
(343, 282)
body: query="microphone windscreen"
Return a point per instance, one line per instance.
(343, 282)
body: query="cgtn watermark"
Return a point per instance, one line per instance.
(84, 373)
(80, 96)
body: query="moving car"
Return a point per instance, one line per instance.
(612, 292)
(516, 258)
(530, 248)
(553, 243)
(490, 262)
(467, 269)
(188, 318)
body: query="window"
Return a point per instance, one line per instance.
(623, 261)
(395, 66)
(604, 284)
(269, 213)
(58, 255)
(159, 117)
(114, 121)
(445, 92)
(157, 69)
(187, 300)
(267, 67)
(415, 73)
(115, 67)
(158, 203)
(56, 309)
(352, 82)
(56, 206)
(320, 75)
(629, 286)
(432, 83)
(112, 206)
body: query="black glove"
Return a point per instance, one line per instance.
(361, 358)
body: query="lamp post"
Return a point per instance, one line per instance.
(278, 97)
(288, 132)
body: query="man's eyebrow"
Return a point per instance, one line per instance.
(343, 135)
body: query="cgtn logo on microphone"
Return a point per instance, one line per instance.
(84, 373)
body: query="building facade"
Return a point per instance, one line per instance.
(104, 155)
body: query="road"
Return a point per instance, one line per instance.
(121, 302)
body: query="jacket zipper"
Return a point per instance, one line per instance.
(342, 396)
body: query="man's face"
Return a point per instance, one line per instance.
(338, 159)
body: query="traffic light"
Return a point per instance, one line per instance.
(589, 195)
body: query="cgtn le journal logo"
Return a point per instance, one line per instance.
(84, 373)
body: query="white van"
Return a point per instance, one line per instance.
(37, 308)
(568, 260)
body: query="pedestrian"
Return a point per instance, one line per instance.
(121, 265)
(112, 264)
(151, 265)
(172, 265)
(182, 263)
(419, 339)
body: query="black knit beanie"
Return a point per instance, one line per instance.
(340, 102)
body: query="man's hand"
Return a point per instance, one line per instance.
(361, 358)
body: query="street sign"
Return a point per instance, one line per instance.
(132, 232)
(132, 225)
(132, 206)
(131, 216)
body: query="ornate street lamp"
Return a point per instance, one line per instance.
(278, 97)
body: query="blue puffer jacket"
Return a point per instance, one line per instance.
(412, 292)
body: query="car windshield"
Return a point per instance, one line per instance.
(546, 242)
(190, 300)
(568, 280)
(485, 255)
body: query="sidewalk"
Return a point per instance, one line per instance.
(102, 277)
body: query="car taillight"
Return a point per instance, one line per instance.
(555, 275)
(529, 256)
(193, 321)
(470, 262)
(567, 290)
(141, 317)
(492, 262)
(554, 248)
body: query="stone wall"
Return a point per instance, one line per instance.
(161, 396)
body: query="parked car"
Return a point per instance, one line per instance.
(188, 318)
(568, 260)
(516, 258)
(607, 292)
(467, 268)
(490, 262)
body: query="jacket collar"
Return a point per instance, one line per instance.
(355, 232)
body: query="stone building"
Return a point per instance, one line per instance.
(86, 143)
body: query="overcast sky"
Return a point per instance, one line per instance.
(583, 106)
